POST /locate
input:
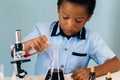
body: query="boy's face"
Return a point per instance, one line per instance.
(72, 17)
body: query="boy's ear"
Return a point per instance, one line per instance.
(58, 9)
(89, 17)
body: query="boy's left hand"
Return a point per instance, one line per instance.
(81, 74)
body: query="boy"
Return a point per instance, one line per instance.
(78, 44)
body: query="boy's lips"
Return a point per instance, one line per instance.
(69, 32)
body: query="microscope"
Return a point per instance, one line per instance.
(18, 54)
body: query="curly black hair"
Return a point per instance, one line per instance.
(89, 3)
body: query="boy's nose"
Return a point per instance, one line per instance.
(70, 23)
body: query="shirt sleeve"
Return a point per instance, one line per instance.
(35, 33)
(99, 51)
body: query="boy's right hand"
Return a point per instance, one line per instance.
(40, 44)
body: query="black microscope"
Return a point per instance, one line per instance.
(18, 54)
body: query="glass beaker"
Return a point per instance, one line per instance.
(54, 71)
(1, 71)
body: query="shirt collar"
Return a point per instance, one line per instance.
(58, 31)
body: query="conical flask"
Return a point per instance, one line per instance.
(54, 71)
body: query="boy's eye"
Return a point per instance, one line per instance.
(78, 21)
(65, 17)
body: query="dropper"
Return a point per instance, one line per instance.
(92, 74)
(108, 76)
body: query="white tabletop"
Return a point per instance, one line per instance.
(115, 76)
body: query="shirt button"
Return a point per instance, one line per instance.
(62, 66)
(66, 49)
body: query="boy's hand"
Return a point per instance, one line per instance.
(81, 74)
(40, 44)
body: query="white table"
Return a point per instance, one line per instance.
(115, 76)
